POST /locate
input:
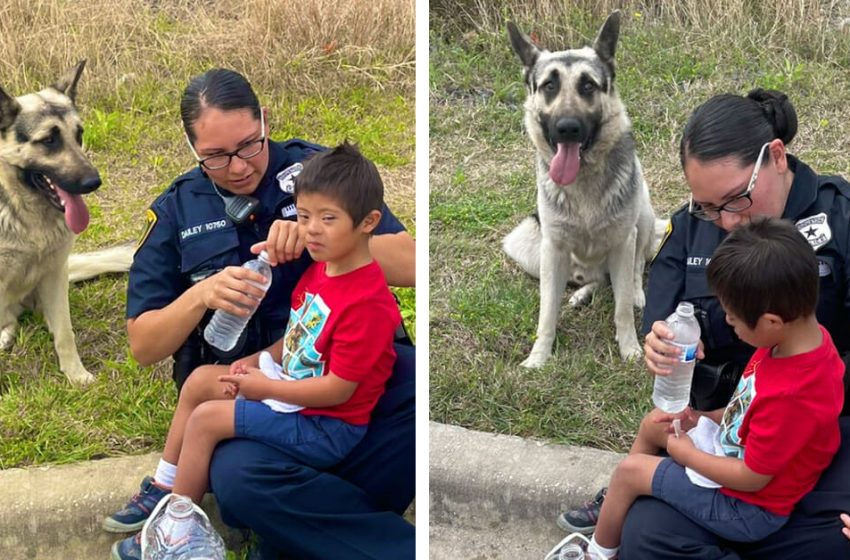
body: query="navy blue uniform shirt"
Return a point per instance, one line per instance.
(818, 205)
(189, 237)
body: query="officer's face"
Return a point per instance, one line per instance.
(220, 132)
(329, 233)
(715, 183)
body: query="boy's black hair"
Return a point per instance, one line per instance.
(765, 266)
(345, 175)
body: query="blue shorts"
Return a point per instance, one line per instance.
(315, 441)
(727, 517)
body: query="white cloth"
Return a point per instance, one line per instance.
(272, 370)
(706, 437)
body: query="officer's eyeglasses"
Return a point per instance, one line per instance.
(737, 204)
(249, 150)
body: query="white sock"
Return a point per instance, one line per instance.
(601, 551)
(165, 473)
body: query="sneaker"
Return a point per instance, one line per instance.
(128, 549)
(133, 516)
(583, 520)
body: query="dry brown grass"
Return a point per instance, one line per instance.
(281, 41)
(730, 21)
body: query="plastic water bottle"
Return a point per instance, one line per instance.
(180, 531)
(573, 547)
(671, 393)
(224, 328)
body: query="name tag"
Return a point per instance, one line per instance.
(203, 228)
(288, 211)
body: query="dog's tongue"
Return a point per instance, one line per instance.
(76, 212)
(564, 166)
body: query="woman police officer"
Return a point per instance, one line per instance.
(209, 221)
(735, 163)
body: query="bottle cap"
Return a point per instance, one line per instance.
(264, 256)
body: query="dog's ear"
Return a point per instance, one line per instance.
(605, 44)
(9, 109)
(523, 46)
(68, 83)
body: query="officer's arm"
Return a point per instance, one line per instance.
(666, 281)
(157, 334)
(396, 255)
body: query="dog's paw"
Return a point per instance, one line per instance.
(583, 295)
(630, 350)
(79, 376)
(535, 360)
(7, 336)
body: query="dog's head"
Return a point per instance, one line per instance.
(571, 98)
(41, 138)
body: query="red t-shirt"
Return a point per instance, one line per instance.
(783, 421)
(346, 325)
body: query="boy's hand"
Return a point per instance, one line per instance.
(687, 419)
(253, 384)
(680, 447)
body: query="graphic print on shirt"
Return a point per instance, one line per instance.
(300, 357)
(733, 416)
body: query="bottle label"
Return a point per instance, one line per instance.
(689, 352)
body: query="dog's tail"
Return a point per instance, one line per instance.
(523, 245)
(83, 266)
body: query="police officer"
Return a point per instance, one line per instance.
(237, 202)
(735, 163)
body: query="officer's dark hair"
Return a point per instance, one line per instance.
(345, 175)
(766, 266)
(730, 125)
(219, 88)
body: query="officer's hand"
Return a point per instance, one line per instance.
(283, 244)
(846, 529)
(231, 291)
(659, 354)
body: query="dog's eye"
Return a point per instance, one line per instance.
(587, 87)
(49, 140)
(548, 86)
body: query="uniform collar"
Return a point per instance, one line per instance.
(804, 188)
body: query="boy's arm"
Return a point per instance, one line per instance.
(314, 392)
(729, 472)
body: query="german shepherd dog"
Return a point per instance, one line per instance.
(43, 173)
(593, 210)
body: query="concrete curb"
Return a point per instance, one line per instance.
(56, 512)
(495, 496)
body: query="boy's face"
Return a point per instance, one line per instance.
(762, 336)
(328, 230)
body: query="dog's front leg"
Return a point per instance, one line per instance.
(554, 271)
(52, 294)
(621, 267)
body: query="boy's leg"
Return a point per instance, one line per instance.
(209, 423)
(632, 478)
(202, 386)
(290, 505)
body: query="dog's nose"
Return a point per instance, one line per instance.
(90, 183)
(569, 130)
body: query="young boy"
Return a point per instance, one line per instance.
(780, 430)
(338, 348)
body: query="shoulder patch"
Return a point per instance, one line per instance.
(815, 229)
(668, 230)
(150, 221)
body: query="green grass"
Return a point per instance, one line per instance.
(130, 111)
(483, 309)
